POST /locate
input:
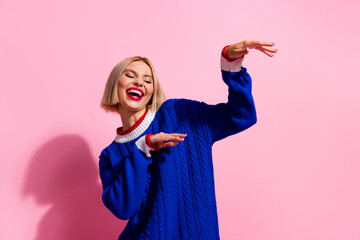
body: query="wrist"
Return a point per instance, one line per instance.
(224, 53)
(230, 64)
(150, 144)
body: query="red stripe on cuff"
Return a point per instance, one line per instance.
(151, 145)
(223, 53)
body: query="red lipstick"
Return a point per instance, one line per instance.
(135, 94)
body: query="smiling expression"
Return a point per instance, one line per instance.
(136, 87)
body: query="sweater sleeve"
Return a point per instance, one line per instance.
(238, 113)
(124, 185)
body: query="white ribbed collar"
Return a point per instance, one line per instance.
(138, 130)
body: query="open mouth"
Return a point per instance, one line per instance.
(135, 93)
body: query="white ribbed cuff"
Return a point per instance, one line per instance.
(234, 66)
(142, 146)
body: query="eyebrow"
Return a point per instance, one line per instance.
(145, 75)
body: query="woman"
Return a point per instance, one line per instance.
(158, 172)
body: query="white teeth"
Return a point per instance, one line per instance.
(135, 92)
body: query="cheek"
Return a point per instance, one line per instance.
(122, 82)
(121, 86)
(121, 94)
(150, 96)
(151, 90)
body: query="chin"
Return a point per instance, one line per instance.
(134, 107)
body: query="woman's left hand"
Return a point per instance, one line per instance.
(240, 49)
(163, 140)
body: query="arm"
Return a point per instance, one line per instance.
(124, 188)
(238, 113)
(123, 192)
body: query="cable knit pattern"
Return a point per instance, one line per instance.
(170, 194)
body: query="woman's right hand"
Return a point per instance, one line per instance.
(163, 140)
(240, 49)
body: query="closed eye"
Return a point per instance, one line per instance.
(129, 76)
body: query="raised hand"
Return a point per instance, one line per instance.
(240, 49)
(163, 140)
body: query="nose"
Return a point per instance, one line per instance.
(138, 82)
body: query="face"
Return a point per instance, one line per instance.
(136, 87)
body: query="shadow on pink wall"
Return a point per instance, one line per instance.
(63, 174)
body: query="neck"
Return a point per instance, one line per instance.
(129, 118)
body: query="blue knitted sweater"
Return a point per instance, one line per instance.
(170, 193)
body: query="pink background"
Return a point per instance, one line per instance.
(294, 175)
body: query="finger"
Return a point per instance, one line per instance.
(256, 44)
(174, 138)
(182, 135)
(168, 144)
(267, 53)
(269, 49)
(262, 43)
(171, 134)
(167, 138)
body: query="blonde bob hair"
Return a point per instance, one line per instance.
(110, 99)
